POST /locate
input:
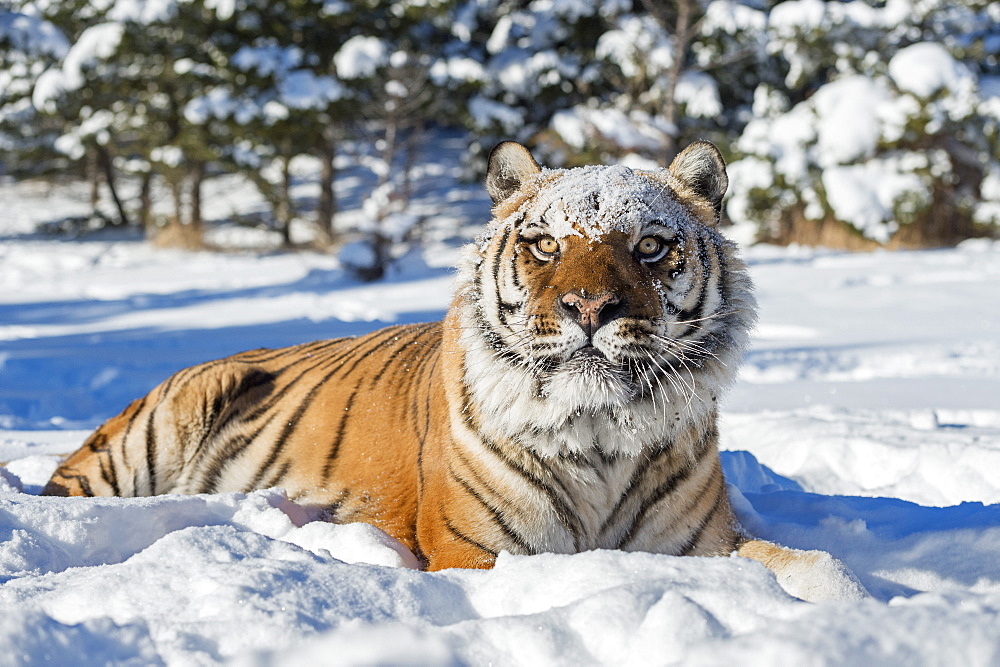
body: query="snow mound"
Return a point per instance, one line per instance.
(926, 68)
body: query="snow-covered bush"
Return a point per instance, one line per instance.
(882, 133)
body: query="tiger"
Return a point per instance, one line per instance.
(568, 401)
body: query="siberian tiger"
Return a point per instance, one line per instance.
(567, 402)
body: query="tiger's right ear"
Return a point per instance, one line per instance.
(510, 164)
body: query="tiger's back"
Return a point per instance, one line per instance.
(332, 422)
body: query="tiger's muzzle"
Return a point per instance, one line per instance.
(591, 313)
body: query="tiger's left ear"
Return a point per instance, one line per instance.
(510, 164)
(700, 168)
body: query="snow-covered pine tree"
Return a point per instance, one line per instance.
(28, 46)
(630, 80)
(401, 81)
(118, 92)
(885, 130)
(278, 97)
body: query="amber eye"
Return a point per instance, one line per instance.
(650, 248)
(547, 245)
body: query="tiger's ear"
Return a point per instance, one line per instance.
(510, 164)
(701, 168)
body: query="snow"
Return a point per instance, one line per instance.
(32, 34)
(267, 59)
(847, 120)
(143, 11)
(458, 69)
(634, 131)
(699, 94)
(868, 194)
(732, 17)
(485, 112)
(866, 423)
(846, 151)
(95, 43)
(360, 56)
(637, 46)
(302, 89)
(926, 68)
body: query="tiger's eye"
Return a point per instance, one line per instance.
(547, 245)
(649, 246)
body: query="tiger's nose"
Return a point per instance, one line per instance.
(591, 313)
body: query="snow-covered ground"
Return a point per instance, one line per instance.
(866, 423)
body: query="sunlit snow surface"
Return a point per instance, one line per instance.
(866, 422)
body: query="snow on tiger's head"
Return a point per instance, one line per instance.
(608, 285)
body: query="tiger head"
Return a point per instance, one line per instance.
(606, 293)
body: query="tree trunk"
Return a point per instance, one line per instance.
(177, 192)
(327, 205)
(286, 208)
(104, 159)
(146, 203)
(197, 178)
(682, 32)
(94, 178)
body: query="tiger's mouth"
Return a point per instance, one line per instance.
(588, 350)
(588, 380)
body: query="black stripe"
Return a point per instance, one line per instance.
(465, 538)
(128, 429)
(514, 278)
(699, 529)
(289, 428)
(331, 455)
(665, 488)
(633, 484)
(394, 361)
(277, 477)
(102, 450)
(564, 512)
(151, 452)
(226, 452)
(502, 306)
(80, 479)
(330, 512)
(252, 379)
(323, 361)
(265, 355)
(498, 517)
(422, 441)
(643, 469)
(695, 312)
(370, 345)
(277, 397)
(478, 478)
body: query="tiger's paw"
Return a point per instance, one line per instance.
(812, 576)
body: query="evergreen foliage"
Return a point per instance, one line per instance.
(878, 118)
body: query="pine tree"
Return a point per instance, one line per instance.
(880, 134)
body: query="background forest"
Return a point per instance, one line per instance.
(849, 124)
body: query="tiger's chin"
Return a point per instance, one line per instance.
(589, 381)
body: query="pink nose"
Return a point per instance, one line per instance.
(591, 312)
